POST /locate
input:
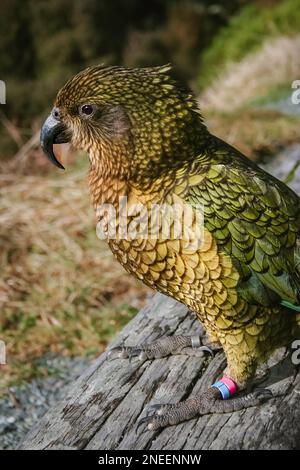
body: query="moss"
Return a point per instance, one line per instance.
(245, 33)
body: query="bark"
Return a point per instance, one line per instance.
(101, 409)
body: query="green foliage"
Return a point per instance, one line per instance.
(44, 43)
(246, 32)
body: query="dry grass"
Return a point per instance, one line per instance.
(255, 132)
(61, 290)
(276, 63)
(227, 103)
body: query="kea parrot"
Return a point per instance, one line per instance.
(147, 142)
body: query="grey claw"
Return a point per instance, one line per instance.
(207, 349)
(123, 352)
(130, 358)
(120, 350)
(141, 423)
(140, 354)
(110, 353)
(154, 409)
(133, 355)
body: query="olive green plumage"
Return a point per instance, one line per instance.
(256, 220)
(146, 140)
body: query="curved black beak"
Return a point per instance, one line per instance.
(53, 132)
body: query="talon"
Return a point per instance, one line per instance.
(122, 352)
(130, 358)
(206, 349)
(141, 423)
(110, 353)
(138, 353)
(127, 352)
(153, 409)
(132, 352)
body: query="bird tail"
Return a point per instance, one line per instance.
(287, 304)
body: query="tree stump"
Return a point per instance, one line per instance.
(101, 408)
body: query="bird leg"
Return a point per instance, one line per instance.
(165, 346)
(210, 401)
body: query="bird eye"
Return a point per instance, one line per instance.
(86, 110)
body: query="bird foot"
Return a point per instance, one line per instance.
(165, 346)
(162, 415)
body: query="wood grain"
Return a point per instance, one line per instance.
(101, 409)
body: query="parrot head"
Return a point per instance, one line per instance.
(141, 114)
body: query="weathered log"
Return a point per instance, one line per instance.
(101, 409)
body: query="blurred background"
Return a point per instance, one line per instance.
(62, 296)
